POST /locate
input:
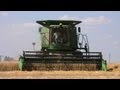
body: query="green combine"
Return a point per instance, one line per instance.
(63, 47)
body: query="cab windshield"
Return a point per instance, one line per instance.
(60, 35)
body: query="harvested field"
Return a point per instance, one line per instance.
(113, 72)
(59, 75)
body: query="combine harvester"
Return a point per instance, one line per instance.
(63, 47)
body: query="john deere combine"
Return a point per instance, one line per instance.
(63, 47)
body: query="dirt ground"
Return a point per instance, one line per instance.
(113, 72)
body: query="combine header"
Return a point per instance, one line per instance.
(63, 47)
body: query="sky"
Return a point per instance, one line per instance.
(18, 30)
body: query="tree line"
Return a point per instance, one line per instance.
(6, 58)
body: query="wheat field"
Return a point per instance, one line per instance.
(9, 70)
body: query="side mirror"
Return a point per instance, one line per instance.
(40, 29)
(79, 29)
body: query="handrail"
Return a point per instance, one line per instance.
(84, 40)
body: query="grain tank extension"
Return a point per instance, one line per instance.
(63, 47)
